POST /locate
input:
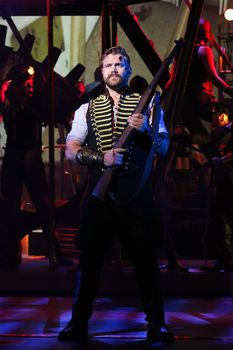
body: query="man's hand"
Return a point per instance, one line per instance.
(138, 121)
(114, 157)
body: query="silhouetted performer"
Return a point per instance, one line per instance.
(200, 116)
(22, 163)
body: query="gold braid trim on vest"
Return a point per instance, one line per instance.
(102, 118)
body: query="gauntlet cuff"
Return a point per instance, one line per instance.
(92, 159)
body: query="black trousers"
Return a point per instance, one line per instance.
(138, 229)
(22, 168)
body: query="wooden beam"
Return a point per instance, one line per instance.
(61, 7)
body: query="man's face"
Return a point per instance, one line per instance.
(116, 71)
(29, 86)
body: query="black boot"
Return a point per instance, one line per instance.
(225, 261)
(77, 327)
(10, 243)
(72, 331)
(159, 334)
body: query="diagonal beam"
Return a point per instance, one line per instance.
(61, 7)
(105, 26)
(138, 38)
(182, 71)
(174, 116)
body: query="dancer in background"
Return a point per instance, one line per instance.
(202, 120)
(22, 163)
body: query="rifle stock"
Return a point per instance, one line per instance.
(102, 187)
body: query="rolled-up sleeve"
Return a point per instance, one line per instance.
(79, 129)
(162, 126)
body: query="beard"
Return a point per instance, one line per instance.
(115, 81)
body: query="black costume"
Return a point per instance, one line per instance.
(136, 223)
(137, 229)
(22, 165)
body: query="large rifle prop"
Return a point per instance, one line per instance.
(102, 187)
(156, 117)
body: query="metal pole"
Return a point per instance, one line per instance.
(174, 117)
(181, 76)
(114, 31)
(106, 41)
(50, 81)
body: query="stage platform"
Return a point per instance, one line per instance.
(33, 323)
(35, 304)
(35, 277)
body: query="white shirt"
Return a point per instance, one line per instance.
(79, 128)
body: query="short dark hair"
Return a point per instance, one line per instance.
(115, 50)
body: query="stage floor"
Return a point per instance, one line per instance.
(35, 303)
(32, 323)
